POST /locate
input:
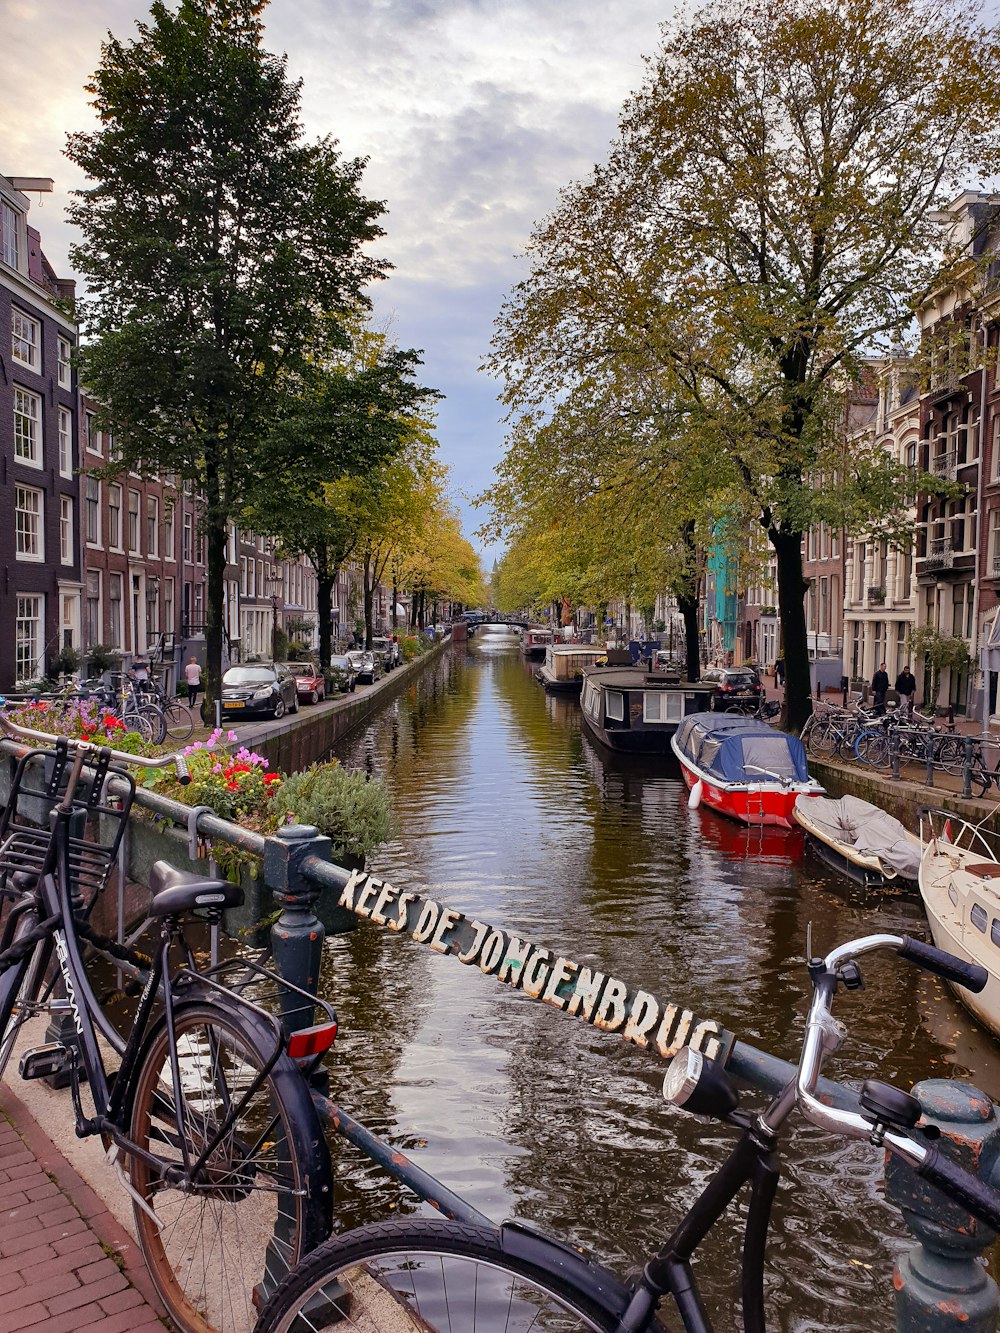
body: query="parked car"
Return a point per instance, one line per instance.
(370, 669)
(309, 681)
(389, 650)
(342, 674)
(733, 685)
(260, 687)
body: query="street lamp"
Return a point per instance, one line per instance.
(273, 586)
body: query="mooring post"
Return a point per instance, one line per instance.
(297, 935)
(941, 1285)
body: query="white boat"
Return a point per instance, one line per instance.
(860, 840)
(960, 885)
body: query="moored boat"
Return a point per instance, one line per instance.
(562, 670)
(858, 839)
(636, 711)
(534, 641)
(743, 768)
(960, 886)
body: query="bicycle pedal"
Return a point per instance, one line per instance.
(44, 1061)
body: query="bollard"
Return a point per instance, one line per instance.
(969, 746)
(894, 752)
(297, 936)
(929, 779)
(941, 1285)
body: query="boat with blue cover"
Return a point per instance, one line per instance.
(743, 768)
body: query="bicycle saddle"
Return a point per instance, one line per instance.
(175, 891)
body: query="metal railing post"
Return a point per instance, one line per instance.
(894, 752)
(968, 745)
(297, 935)
(940, 1283)
(929, 779)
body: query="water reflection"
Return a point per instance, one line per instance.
(509, 813)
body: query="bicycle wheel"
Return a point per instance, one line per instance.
(424, 1274)
(822, 740)
(949, 754)
(222, 1241)
(872, 748)
(20, 986)
(180, 723)
(157, 722)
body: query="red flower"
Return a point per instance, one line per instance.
(271, 778)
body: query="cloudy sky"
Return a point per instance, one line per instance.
(473, 113)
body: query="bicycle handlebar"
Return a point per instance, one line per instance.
(18, 732)
(970, 975)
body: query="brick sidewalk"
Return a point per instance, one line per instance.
(66, 1265)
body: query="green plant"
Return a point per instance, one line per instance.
(67, 663)
(101, 657)
(940, 651)
(353, 810)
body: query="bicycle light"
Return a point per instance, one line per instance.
(699, 1085)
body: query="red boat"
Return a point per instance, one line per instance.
(743, 768)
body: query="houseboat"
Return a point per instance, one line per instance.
(562, 670)
(534, 641)
(743, 768)
(636, 711)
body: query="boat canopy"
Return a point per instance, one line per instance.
(734, 748)
(852, 822)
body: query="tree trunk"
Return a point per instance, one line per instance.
(688, 607)
(791, 604)
(369, 590)
(324, 594)
(395, 601)
(216, 533)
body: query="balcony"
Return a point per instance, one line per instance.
(940, 555)
(876, 596)
(945, 464)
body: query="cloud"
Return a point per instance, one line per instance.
(473, 115)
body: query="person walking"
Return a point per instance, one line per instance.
(906, 688)
(779, 672)
(880, 688)
(192, 674)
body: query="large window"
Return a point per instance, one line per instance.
(66, 529)
(152, 525)
(133, 522)
(169, 510)
(64, 372)
(115, 517)
(662, 707)
(27, 427)
(28, 636)
(115, 620)
(25, 340)
(92, 511)
(65, 442)
(28, 541)
(11, 229)
(93, 607)
(188, 553)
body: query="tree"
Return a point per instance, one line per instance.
(940, 652)
(766, 217)
(219, 250)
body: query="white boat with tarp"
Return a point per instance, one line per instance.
(859, 839)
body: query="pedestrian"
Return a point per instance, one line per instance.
(192, 674)
(880, 688)
(779, 671)
(906, 688)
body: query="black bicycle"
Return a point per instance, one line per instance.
(437, 1276)
(208, 1117)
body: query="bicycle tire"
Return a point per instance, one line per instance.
(446, 1275)
(157, 722)
(264, 1198)
(19, 988)
(872, 748)
(180, 723)
(949, 754)
(822, 740)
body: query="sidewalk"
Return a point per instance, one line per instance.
(66, 1265)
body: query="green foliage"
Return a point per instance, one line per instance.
(67, 663)
(353, 810)
(102, 657)
(941, 652)
(280, 645)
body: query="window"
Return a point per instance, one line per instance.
(92, 512)
(152, 525)
(28, 626)
(995, 932)
(188, 538)
(115, 517)
(27, 427)
(199, 546)
(168, 605)
(28, 540)
(25, 339)
(978, 917)
(93, 607)
(614, 706)
(66, 529)
(64, 370)
(65, 442)
(133, 522)
(199, 606)
(169, 508)
(115, 619)
(662, 707)
(11, 228)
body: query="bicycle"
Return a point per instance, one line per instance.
(764, 710)
(438, 1275)
(177, 717)
(208, 1118)
(914, 743)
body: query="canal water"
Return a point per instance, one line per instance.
(508, 811)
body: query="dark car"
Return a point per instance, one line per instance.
(309, 681)
(389, 651)
(369, 665)
(261, 687)
(342, 673)
(733, 685)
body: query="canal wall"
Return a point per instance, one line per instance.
(903, 797)
(296, 742)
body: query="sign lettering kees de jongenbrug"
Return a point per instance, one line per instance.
(604, 1001)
